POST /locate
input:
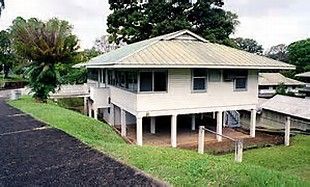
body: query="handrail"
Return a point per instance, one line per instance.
(238, 143)
(204, 128)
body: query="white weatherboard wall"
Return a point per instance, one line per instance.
(130, 119)
(100, 97)
(124, 99)
(181, 97)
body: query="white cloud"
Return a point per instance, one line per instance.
(272, 22)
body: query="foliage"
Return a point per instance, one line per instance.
(103, 44)
(299, 55)
(132, 22)
(281, 89)
(2, 5)
(70, 75)
(176, 166)
(249, 45)
(6, 54)
(278, 52)
(44, 44)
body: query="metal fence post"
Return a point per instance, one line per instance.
(201, 140)
(287, 131)
(238, 150)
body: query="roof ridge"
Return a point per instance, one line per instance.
(157, 39)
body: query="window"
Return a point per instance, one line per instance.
(199, 79)
(240, 80)
(160, 81)
(153, 81)
(92, 74)
(215, 75)
(102, 75)
(123, 79)
(146, 81)
(240, 83)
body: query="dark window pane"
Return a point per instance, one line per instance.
(240, 83)
(160, 81)
(199, 84)
(92, 74)
(199, 73)
(132, 81)
(146, 81)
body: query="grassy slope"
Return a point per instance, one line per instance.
(294, 159)
(178, 167)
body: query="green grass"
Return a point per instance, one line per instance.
(11, 78)
(293, 160)
(175, 166)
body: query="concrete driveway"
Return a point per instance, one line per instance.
(33, 154)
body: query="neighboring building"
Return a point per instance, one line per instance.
(273, 113)
(268, 83)
(306, 78)
(175, 75)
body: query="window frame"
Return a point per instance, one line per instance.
(153, 82)
(235, 83)
(200, 77)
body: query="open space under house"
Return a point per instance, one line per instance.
(159, 91)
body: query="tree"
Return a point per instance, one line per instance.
(44, 44)
(299, 55)
(132, 22)
(249, 45)
(2, 5)
(70, 75)
(103, 44)
(278, 52)
(7, 57)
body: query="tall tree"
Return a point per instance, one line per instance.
(278, 52)
(104, 45)
(45, 44)
(249, 45)
(131, 21)
(299, 55)
(6, 54)
(2, 5)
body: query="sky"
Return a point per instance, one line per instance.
(270, 22)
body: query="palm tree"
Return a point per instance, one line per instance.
(44, 44)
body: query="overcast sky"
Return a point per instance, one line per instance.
(270, 22)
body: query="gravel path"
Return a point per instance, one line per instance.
(32, 155)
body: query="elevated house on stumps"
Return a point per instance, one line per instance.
(175, 76)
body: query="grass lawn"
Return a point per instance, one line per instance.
(11, 78)
(175, 166)
(293, 160)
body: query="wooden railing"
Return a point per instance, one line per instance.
(238, 143)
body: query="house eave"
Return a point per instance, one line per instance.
(120, 66)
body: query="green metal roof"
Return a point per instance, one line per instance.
(182, 49)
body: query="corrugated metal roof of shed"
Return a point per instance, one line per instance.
(272, 79)
(292, 106)
(305, 74)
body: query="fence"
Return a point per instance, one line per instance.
(201, 142)
(238, 142)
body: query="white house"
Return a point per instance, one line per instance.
(268, 83)
(175, 74)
